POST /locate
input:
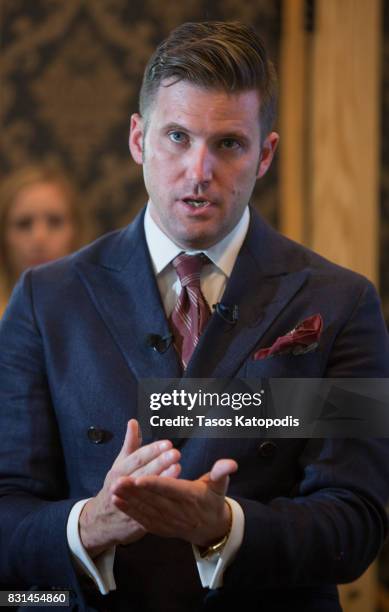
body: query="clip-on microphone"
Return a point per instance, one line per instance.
(229, 314)
(158, 343)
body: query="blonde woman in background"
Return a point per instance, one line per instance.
(39, 221)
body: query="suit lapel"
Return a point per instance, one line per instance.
(262, 283)
(122, 286)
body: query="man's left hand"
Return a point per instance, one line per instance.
(195, 511)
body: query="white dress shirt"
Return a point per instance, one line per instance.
(214, 277)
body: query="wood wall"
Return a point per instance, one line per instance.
(330, 129)
(329, 154)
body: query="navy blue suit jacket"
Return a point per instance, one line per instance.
(73, 345)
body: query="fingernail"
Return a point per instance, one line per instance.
(165, 445)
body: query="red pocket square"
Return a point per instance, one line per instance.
(302, 339)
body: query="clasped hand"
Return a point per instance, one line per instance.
(141, 494)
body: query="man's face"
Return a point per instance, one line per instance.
(201, 154)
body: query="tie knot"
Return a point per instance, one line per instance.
(188, 268)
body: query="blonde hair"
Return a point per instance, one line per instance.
(11, 186)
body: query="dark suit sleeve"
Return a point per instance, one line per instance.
(331, 526)
(361, 347)
(33, 543)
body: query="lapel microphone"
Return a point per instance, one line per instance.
(158, 343)
(229, 314)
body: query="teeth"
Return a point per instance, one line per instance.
(197, 203)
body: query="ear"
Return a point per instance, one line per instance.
(135, 141)
(267, 153)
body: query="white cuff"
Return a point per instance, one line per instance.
(212, 570)
(101, 569)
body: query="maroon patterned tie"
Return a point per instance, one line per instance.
(191, 311)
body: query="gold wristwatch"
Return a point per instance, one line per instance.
(218, 546)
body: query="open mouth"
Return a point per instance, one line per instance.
(197, 202)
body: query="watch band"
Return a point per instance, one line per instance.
(218, 546)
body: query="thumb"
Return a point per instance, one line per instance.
(219, 476)
(132, 440)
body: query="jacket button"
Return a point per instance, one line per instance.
(95, 435)
(267, 449)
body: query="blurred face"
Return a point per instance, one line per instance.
(39, 227)
(201, 154)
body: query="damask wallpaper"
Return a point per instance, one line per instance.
(70, 71)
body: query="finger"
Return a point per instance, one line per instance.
(120, 503)
(222, 468)
(154, 511)
(144, 455)
(131, 440)
(219, 477)
(161, 463)
(140, 505)
(126, 487)
(140, 437)
(145, 518)
(170, 488)
(172, 472)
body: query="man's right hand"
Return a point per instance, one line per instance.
(102, 524)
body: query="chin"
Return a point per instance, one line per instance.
(196, 240)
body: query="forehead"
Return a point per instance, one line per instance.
(38, 195)
(212, 109)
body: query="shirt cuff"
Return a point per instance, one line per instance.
(212, 570)
(100, 570)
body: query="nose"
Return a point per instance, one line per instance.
(200, 166)
(40, 233)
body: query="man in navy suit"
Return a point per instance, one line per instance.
(141, 525)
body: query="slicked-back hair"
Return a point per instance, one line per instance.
(214, 55)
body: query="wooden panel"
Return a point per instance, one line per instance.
(345, 145)
(361, 595)
(293, 124)
(345, 161)
(329, 151)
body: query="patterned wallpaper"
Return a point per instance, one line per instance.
(70, 71)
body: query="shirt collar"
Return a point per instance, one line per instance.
(222, 254)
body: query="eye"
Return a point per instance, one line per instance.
(230, 144)
(23, 224)
(55, 221)
(178, 137)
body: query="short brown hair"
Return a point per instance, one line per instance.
(214, 55)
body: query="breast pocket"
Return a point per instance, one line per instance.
(307, 365)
